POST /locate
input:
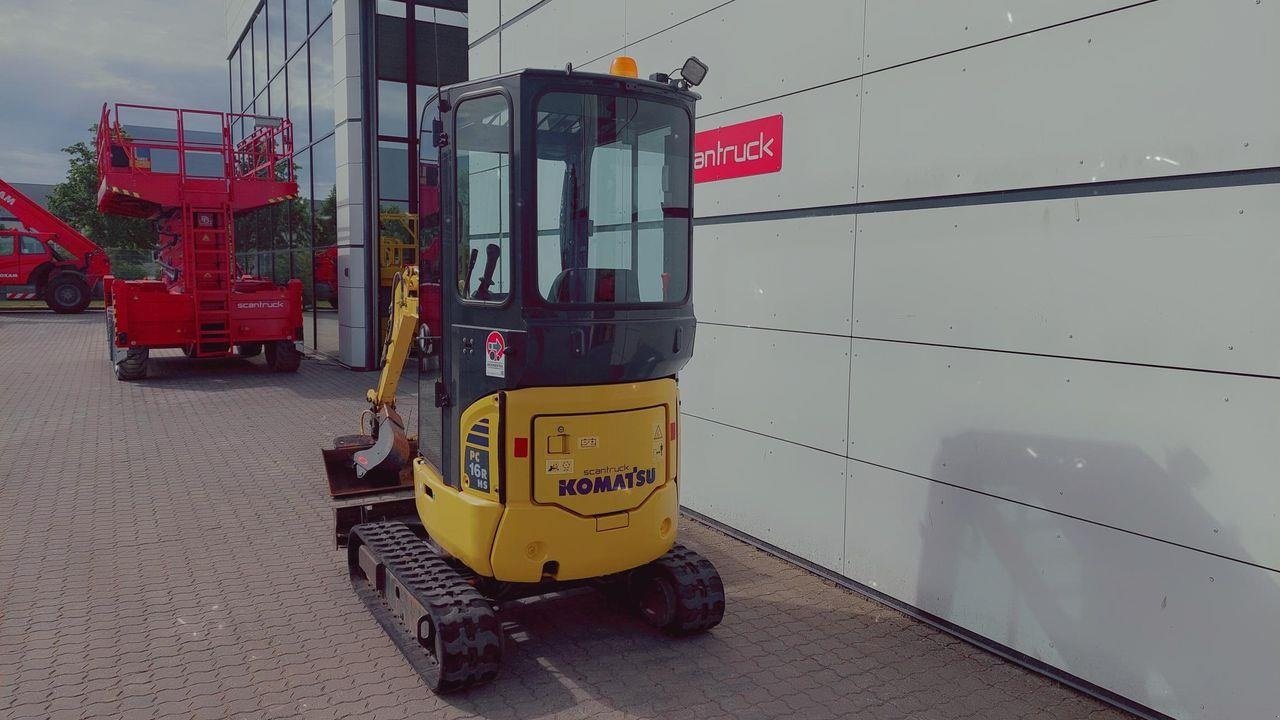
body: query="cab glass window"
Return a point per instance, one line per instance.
(429, 195)
(32, 246)
(483, 142)
(6, 244)
(613, 200)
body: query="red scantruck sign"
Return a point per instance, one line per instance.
(753, 147)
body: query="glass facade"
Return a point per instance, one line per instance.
(283, 66)
(418, 46)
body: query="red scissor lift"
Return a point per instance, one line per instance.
(181, 169)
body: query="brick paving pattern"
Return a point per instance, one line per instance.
(165, 552)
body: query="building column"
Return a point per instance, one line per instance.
(354, 244)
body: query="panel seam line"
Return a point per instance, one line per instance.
(994, 496)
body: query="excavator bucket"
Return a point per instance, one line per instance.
(364, 464)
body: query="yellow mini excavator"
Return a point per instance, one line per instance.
(547, 450)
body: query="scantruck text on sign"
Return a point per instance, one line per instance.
(747, 148)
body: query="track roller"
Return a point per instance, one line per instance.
(680, 593)
(444, 627)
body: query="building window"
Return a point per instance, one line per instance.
(319, 11)
(324, 200)
(302, 206)
(322, 81)
(278, 106)
(393, 108)
(259, 39)
(237, 101)
(393, 174)
(394, 8)
(275, 35)
(295, 23)
(438, 40)
(299, 100)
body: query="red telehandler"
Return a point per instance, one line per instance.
(49, 260)
(181, 169)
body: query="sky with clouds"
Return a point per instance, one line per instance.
(60, 60)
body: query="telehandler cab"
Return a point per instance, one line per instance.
(554, 284)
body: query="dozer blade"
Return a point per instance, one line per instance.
(362, 464)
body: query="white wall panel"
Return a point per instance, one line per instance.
(759, 49)
(482, 17)
(735, 476)
(1173, 87)
(1183, 456)
(562, 31)
(793, 274)
(1179, 278)
(897, 34)
(1185, 633)
(512, 8)
(646, 17)
(1171, 278)
(793, 386)
(483, 59)
(819, 160)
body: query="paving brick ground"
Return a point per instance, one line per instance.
(165, 553)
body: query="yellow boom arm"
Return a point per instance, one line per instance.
(404, 326)
(391, 449)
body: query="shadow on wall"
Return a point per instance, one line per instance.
(1145, 619)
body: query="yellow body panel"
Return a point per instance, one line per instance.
(529, 536)
(461, 523)
(595, 492)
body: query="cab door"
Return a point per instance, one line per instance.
(31, 254)
(483, 331)
(9, 262)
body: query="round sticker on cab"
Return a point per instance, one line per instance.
(495, 355)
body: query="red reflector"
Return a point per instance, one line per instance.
(522, 447)
(671, 431)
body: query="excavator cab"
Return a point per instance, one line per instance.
(554, 286)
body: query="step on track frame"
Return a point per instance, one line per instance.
(444, 627)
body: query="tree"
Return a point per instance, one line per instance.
(75, 200)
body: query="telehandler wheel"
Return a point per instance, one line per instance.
(680, 593)
(249, 350)
(282, 356)
(134, 364)
(67, 294)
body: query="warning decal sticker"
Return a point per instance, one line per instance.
(495, 355)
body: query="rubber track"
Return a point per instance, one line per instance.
(470, 633)
(699, 590)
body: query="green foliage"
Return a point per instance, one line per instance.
(132, 264)
(75, 200)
